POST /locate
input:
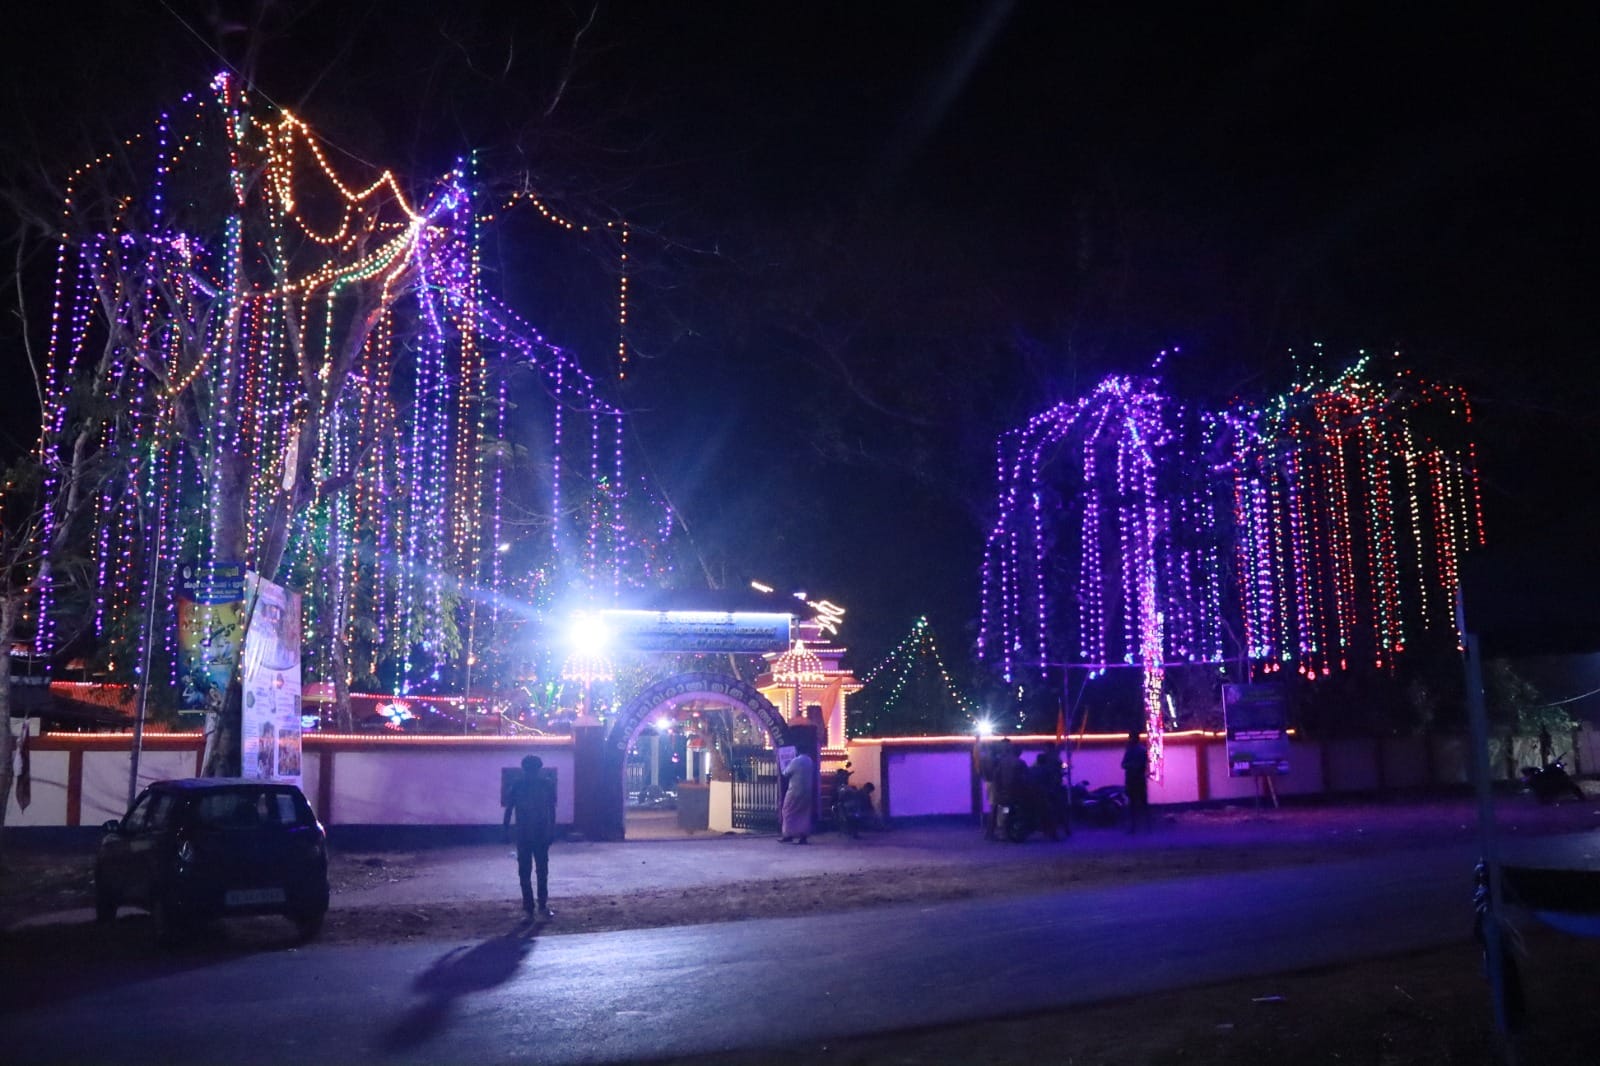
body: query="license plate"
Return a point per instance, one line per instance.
(249, 897)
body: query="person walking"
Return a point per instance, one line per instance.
(1136, 781)
(532, 799)
(797, 800)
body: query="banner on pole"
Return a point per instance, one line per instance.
(210, 621)
(270, 715)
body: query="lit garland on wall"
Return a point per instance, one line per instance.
(295, 326)
(1345, 507)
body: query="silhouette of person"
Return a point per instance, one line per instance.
(1011, 784)
(532, 799)
(1136, 781)
(1050, 796)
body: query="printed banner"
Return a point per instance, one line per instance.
(1257, 719)
(270, 722)
(210, 621)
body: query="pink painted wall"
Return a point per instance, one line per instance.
(924, 781)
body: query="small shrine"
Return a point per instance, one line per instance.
(807, 681)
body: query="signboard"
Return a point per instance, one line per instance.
(210, 621)
(1257, 718)
(697, 631)
(270, 672)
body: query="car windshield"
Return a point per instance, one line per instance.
(246, 808)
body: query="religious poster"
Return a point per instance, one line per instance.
(210, 621)
(270, 719)
(1257, 718)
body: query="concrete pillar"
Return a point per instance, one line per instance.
(597, 794)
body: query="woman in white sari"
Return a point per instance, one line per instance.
(796, 809)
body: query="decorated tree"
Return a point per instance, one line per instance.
(300, 373)
(911, 692)
(1316, 533)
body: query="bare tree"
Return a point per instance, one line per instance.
(40, 509)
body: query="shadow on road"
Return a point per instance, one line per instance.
(77, 958)
(457, 973)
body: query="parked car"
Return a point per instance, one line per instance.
(202, 848)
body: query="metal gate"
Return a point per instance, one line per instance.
(755, 789)
(634, 775)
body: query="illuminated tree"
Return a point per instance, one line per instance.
(911, 692)
(1316, 533)
(304, 374)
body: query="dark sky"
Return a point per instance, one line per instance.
(874, 235)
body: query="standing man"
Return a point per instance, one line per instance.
(532, 798)
(1136, 781)
(1011, 785)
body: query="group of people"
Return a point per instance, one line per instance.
(1011, 783)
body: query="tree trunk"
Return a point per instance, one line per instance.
(338, 644)
(222, 753)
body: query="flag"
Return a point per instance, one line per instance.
(1061, 723)
(24, 776)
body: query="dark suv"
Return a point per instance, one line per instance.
(209, 847)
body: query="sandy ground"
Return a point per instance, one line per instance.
(673, 878)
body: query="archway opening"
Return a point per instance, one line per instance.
(691, 737)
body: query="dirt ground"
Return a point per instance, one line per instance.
(1424, 1008)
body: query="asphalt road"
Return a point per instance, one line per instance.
(617, 997)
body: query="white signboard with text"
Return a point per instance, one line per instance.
(270, 671)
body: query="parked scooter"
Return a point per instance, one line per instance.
(1550, 783)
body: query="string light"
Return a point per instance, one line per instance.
(1316, 495)
(915, 654)
(316, 327)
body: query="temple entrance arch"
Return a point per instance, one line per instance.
(755, 787)
(720, 688)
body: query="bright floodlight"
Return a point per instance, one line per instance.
(663, 723)
(985, 727)
(587, 635)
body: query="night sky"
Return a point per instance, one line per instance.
(871, 236)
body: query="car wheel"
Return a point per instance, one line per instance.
(308, 923)
(105, 904)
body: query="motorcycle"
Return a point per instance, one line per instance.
(1103, 806)
(1550, 783)
(851, 809)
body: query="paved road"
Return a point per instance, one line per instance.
(616, 997)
